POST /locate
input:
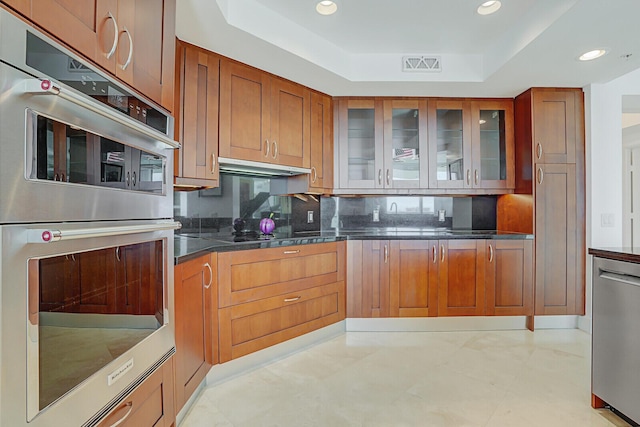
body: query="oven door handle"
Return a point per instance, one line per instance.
(48, 87)
(49, 235)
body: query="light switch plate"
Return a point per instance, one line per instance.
(309, 217)
(607, 220)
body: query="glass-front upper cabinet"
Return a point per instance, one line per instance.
(405, 144)
(449, 144)
(493, 145)
(471, 144)
(360, 143)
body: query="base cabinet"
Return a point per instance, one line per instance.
(150, 404)
(509, 278)
(458, 277)
(195, 295)
(413, 278)
(461, 283)
(268, 296)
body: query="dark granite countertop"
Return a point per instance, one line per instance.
(190, 246)
(618, 254)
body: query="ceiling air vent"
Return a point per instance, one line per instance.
(425, 64)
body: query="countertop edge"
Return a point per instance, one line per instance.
(617, 254)
(208, 246)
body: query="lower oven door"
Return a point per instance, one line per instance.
(86, 315)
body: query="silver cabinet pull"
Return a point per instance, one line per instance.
(130, 56)
(475, 177)
(267, 147)
(115, 35)
(121, 420)
(292, 299)
(441, 253)
(468, 176)
(213, 163)
(134, 180)
(275, 149)
(291, 252)
(388, 178)
(386, 254)
(540, 175)
(435, 254)
(128, 179)
(539, 151)
(379, 176)
(207, 286)
(490, 253)
(314, 174)
(118, 253)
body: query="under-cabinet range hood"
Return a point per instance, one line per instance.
(246, 167)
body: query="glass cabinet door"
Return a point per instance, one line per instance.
(405, 139)
(493, 154)
(360, 139)
(449, 144)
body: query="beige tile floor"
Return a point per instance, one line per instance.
(497, 378)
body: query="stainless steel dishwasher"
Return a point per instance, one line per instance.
(616, 335)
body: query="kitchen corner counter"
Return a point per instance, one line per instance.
(627, 254)
(187, 247)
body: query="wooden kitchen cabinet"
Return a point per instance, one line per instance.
(382, 144)
(135, 41)
(550, 163)
(471, 144)
(263, 118)
(413, 288)
(150, 404)
(21, 6)
(196, 305)
(197, 117)
(321, 144)
(268, 296)
(461, 278)
(558, 253)
(509, 278)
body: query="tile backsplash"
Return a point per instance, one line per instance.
(348, 213)
(210, 211)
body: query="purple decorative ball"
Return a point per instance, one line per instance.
(267, 225)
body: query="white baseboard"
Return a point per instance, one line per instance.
(244, 364)
(468, 323)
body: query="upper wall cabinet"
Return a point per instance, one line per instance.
(196, 162)
(321, 176)
(382, 144)
(263, 118)
(425, 145)
(134, 41)
(471, 144)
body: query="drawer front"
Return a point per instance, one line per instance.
(256, 274)
(151, 404)
(252, 326)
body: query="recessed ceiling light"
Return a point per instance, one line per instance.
(489, 7)
(326, 7)
(592, 54)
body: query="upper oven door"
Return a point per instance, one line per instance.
(66, 156)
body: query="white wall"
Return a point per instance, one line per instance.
(603, 123)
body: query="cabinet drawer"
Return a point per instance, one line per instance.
(151, 404)
(252, 326)
(252, 275)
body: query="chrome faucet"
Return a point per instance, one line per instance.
(391, 206)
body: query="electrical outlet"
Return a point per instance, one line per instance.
(376, 214)
(309, 217)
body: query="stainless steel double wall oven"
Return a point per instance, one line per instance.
(86, 235)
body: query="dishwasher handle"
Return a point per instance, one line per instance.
(617, 277)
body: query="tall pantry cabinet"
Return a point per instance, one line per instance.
(550, 165)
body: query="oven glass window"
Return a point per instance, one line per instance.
(66, 153)
(92, 307)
